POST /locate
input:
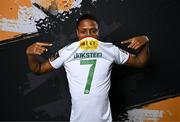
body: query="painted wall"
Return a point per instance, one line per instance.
(26, 96)
(165, 110)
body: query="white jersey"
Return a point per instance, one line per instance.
(88, 65)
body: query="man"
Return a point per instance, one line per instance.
(88, 65)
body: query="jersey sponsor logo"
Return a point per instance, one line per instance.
(89, 43)
(54, 56)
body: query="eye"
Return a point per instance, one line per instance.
(83, 31)
(94, 31)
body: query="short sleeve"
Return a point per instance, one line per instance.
(56, 59)
(63, 55)
(121, 56)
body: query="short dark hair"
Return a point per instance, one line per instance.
(86, 16)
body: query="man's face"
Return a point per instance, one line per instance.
(86, 28)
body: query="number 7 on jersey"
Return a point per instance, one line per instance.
(90, 74)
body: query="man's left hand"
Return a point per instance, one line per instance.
(136, 42)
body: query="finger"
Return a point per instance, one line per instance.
(126, 41)
(40, 47)
(43, 49)
(39, 50)
(139, 44)
(136, 43)
(38, 53)
(44, 44)
(136, 46)
(131, 44)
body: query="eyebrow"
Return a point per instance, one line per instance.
(88, 27)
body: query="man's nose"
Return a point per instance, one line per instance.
(88, 33)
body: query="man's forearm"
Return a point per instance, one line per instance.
(34, 64)
(143, 56)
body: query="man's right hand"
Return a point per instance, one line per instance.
(38, 48)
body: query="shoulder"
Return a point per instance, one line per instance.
(70, 46)
(110, 46)
(106, 44)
